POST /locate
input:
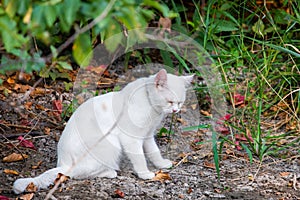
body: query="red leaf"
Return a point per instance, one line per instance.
(222, 129)
(3, 198)
(226, 117)
(120, 193)
(238, 99)
(57, 106)
(26, 143)
(240, 137)
(237, 145)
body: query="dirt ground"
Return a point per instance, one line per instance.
(193, 176)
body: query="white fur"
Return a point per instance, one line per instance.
(107, 125)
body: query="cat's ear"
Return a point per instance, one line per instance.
(188, 80)
(161, 78)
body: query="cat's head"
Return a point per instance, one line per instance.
(169, 91)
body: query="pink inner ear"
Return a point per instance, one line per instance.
(161, 78)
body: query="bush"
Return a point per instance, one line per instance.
(31, 29)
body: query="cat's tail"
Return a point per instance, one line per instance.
(41, 182)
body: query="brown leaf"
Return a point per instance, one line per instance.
(9, 171)
(209, 165)
(250, 177)
(205, 113)
(61, 178)
(31, 187)
(165, 23)
(14, 157)
(38, 91)
(284, 174)
(189, 191)
(28, 105)
(21, 88)
(194, 106)
(47, 130)
(161, 176)
(182, 121)
(10, 80)
(120, 193)
(26, 196)
(37, 165)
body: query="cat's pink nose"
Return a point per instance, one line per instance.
(175, 110)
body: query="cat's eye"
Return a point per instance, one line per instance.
(170, 102)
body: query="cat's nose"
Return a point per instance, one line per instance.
(175, 110)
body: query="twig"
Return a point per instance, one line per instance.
(295, 181)
(22, 127)
(9, 136)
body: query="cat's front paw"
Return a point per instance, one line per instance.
(146, 175)
(164, 164)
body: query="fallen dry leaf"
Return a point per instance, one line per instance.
(189, 191)
(4, 197)
(9, 171)
(26, 196)
(14, 157)
(21, 88)
(205, 113)
(39, 107)
(26, 143)
(61, 178)
(120, 193)
(209, 165)
(10, 80)
(47, 130)
(285, 174)
(37, 165)
(28, 105)
(161, 176)
(31, 187)
(250, 177)
(57, 106)
(165, 23)
(194, 106)
(182, 121)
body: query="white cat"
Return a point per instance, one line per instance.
(104, 127)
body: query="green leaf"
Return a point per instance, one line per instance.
(259, 28)
(224, 26)
(248, 152)
(53, 51)
(191, 128)
(9, 35)
(50, 15)
(65, 65)
(112, 35)
(11, 8)
(69, 10)
(215, 152)
(166, 56)
(82, 49)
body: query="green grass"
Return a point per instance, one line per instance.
(256, 49)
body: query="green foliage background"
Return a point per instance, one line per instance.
(31, 28)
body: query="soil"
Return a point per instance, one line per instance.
(193, 176)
